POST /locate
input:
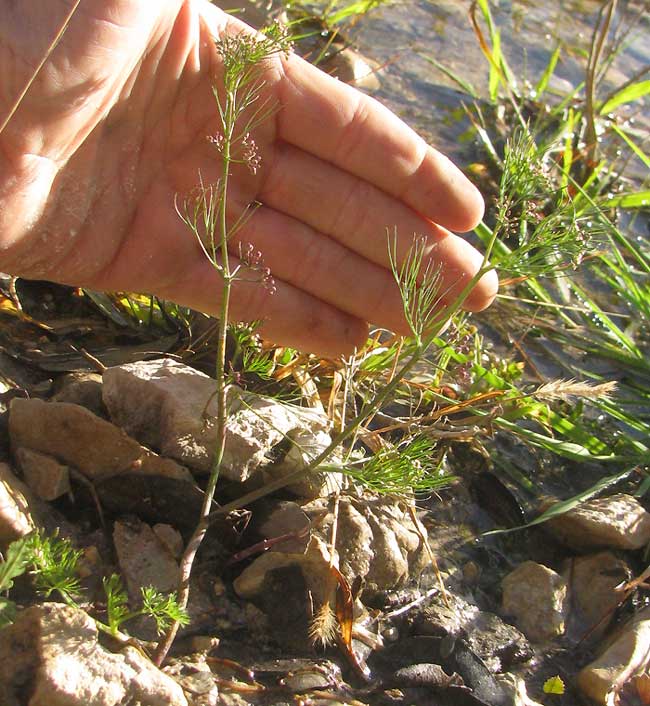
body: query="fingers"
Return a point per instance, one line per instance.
(361, 217)
(338, 124)
(323, 268)
(290, 317)
(165, 259)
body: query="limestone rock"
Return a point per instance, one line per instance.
(15, 517)
(376, 541)
(171, 407)
(287, 589)
(627, 655)
(535, 596)
(76, 436)
(36, 659)
(48, 478)
(616, 522)
(592, 580)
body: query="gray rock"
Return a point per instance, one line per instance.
(497, 643)
(615, 522)
(144, 559)
(202, 686)
(81, 388)
(432, 676)
(314, 563)
(535, 596)
(287, 518)
(48, 478)
(170, 538)
(75, 436)
(51, 653)
(308, 673)
(171, 407)
(15, 517)
(627, 654)
(306, 444)
(377, 540)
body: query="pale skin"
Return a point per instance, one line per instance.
(116, 126)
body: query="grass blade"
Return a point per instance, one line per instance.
(627, 95)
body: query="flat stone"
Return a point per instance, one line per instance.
(535, 596)
(432, 676)
(287, 518)
(305, 445)
(170, 538)
(144, 560)
(81, 388)
(497, 643)
(79, 438)
(592, 581)
(202, 686)
(172, 408)
(350, 66)
(51, 652)
(48, 478)
(615, 522)
(15, 517)
(314, 564)
(626, 655)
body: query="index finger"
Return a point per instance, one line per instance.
(341, 125)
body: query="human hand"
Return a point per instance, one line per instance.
(115, 126)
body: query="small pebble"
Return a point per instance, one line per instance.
(204, 643)
(390, 634)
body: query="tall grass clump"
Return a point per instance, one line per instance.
(569, 180)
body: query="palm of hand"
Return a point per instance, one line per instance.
(116, 126)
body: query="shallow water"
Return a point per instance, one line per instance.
(399, 35)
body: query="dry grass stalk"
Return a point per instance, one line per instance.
(566, 389)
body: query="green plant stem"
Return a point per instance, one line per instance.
(598, 41)
(195, 541)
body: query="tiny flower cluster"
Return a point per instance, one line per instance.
(253, 259)
(217, 141)
(251, 156)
